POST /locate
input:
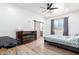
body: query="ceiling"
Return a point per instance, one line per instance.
(63, 8)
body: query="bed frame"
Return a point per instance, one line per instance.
(76, 50)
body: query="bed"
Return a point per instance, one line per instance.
(67, 42)
(7, 42)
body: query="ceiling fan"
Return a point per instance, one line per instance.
(49, 7)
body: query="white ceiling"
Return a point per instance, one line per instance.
(63, 8)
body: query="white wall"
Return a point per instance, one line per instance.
(73, 23)
(47, 27)
(13, 17)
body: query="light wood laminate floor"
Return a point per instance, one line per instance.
(36, 48)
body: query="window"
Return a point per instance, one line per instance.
(58, 24)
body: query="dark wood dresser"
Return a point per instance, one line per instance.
(26, 36)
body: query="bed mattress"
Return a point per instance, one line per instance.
(65, 40)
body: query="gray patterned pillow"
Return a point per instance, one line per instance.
(76, 34)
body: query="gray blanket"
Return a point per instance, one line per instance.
(7, 41)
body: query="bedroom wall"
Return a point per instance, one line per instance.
(13, 18)
(47, 25)
(73, 23)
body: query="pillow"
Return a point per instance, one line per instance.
(76, 34)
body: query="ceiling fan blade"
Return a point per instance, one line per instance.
(43, 7)
(44, 11)
(50, 5)
(53, 8)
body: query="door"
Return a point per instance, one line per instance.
(37, 28)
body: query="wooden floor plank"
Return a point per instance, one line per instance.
(36, 47)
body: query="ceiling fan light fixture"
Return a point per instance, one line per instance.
(49, 7)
